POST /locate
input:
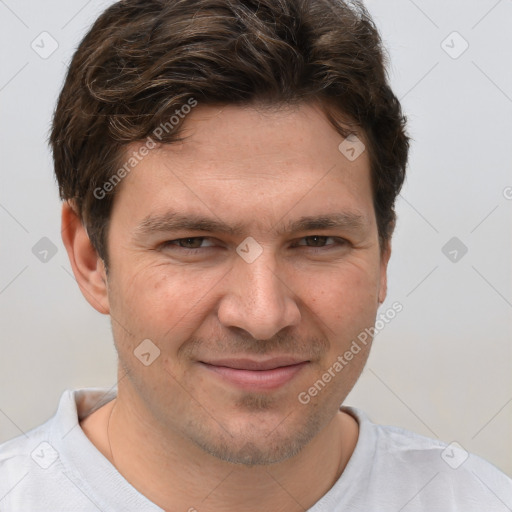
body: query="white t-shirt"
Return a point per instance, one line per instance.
(55, 468)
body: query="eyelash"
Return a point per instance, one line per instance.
(174, 243)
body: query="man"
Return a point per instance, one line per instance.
(229, 171)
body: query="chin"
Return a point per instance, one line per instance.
(256, 442)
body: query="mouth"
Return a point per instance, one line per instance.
(251, 374)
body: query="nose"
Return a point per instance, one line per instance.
(258, 299)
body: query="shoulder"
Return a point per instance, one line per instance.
(34, 446)
(434, 469)
(34, 466)
(21, 458)
(20, 449)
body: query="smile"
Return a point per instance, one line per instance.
(256, 375)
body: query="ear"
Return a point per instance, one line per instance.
(384, 260)
(88, 267)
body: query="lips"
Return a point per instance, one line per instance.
(253, 374)
(252, 364)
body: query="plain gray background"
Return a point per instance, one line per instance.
(442, 367)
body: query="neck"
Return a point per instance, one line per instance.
(177, 475)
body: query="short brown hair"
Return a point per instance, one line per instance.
(144, 59)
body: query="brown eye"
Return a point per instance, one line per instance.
(190, 243)
(320, 242)
(316, 241)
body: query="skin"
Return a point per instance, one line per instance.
(181, 434)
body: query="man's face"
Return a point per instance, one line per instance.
(242, 333)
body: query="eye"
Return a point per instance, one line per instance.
(319, 241)
(195, 242)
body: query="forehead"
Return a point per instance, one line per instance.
(244, 162)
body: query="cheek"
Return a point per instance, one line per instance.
(161, 303)
(168, 304)
(347, 292)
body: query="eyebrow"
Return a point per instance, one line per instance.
(173, 221)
